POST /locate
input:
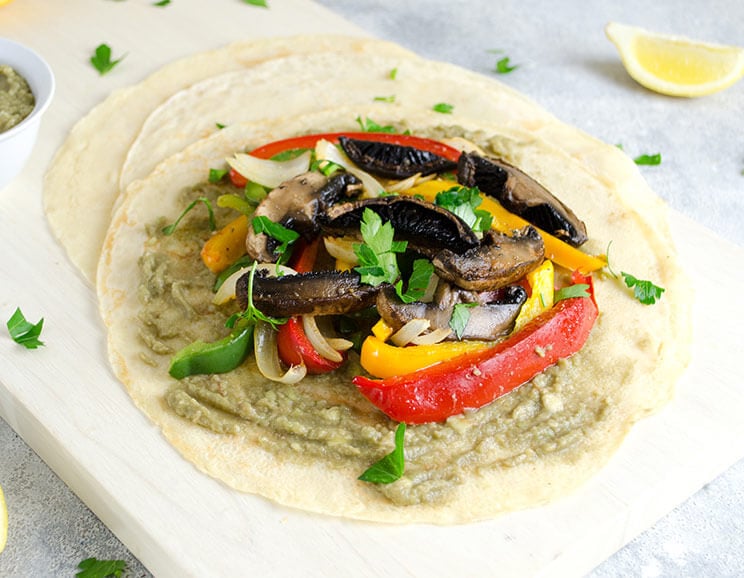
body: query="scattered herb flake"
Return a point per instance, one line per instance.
(101, 59)
(443, 108)
(261, 3)
(216, 175)
(394, 73)
(161, 3)
(94, 568)
(417, 282)
(168, 230)
(23, 332)
(645, 291)
(503, 66)
(219, 125)
(576, 290)
(390, 98)
(460, 317)
(369, 125)
(651, 160)
(391, 467)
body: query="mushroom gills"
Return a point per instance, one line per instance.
(393, 161)
(522, 195)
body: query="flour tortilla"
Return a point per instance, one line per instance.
(631, 360)
(82, 183)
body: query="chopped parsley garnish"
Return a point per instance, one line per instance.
(286, 237)
(443, 108)
(648, 159)
(503, 66)
(261, 3)
(251, 313)
(460, 317)
(464, 202)
(168, 230)
(377, 255)
(368, 125)
(390, 98)
(23, 332)
(577, 290)
(219, 125)
(645, 291)
(94, 568)
(101, 59)
(391, 467)
(161, 3)
(417, 282)
(393, 73)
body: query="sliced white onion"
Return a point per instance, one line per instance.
(267, 356)
(267, 172)
(409, 331)
(341, 248)
(408, 183)
(463, 145)
(226, 292)
(318, 340)
(327, 151)
(434, 336)
(431, 287)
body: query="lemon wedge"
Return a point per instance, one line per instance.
(675, 65)
(3, 521)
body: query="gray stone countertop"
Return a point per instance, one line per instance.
(567, 65)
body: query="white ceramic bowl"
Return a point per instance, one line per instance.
(17, 143)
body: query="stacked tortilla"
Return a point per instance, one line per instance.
(125, 165)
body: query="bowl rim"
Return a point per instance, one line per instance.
(44, 77)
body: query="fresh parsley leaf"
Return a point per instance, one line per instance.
(368, 125)
(219, 125)
(645, 291)
(161, 3)
(417, 282)
(286, 237)
(460, 317)
(503, 66)
(212, 225)
(251, 313)
(390, 98)
(377, 259)
(101, 59)
(393, 73)
(216, 175)
(94, 568)
(463, 202)
(577, 290)
(261, 3)
(648, 159)
(391, 467)
(23, 332)
(443, 107)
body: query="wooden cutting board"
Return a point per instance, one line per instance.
(63, 400)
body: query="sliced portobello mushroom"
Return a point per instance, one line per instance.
(427, 227)
(491, 318)
(498, 261)
(314, 293)
(522, 195)
(296, 204)
(393, 161)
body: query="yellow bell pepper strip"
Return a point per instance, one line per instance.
(556, 250)
(217, 357)
(472, 380)
(226, 246)
(541, 282)
(383, 360)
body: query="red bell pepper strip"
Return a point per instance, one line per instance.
(269, 150)
(473, 380)
(295, 348)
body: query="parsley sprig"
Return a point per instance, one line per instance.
(377, 255)
(277, 231)
(464, 202)
(644, 291)
(94, 568)
(460, 317)
(170, 229)
(391, 467)
(251, 314)
(101, 59)
(23, 332)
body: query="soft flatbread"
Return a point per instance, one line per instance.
(625, 371)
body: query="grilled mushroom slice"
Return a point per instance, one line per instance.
(393, 161)
(490, 319)
(522, 195)
(315, 293)
(427, 227)
(296, 204)
(498, 261)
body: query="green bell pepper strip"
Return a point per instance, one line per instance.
(216, 357)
